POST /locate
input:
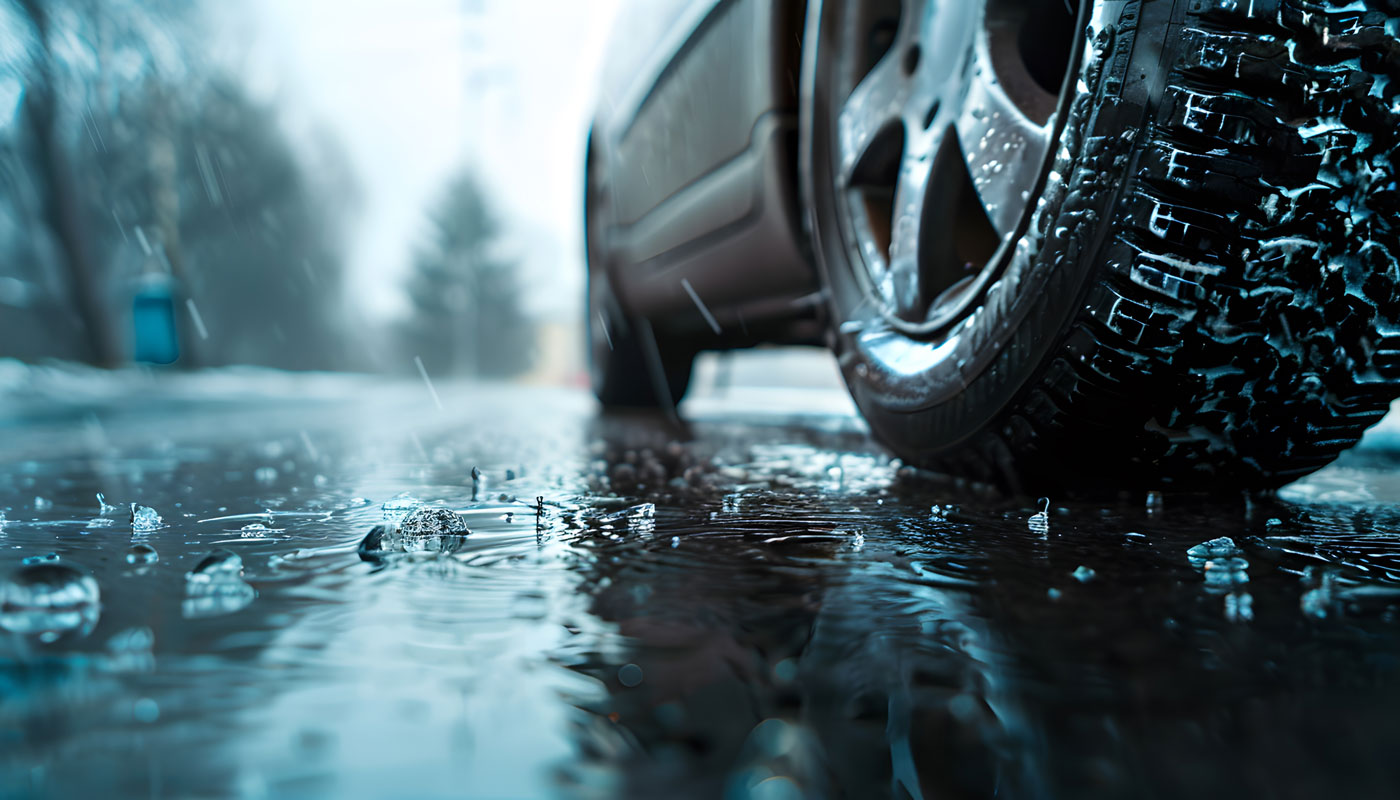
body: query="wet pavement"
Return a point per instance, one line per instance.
(797, 616)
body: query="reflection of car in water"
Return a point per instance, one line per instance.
(1141, 241)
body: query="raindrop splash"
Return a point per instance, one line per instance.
(145, 518)
(48, 600)
(1040, 520)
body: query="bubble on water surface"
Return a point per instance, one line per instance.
(433, 521)
(145, 518)
(216, 587)
(142, 555)
(383, 541)
(49, 599)
(220, 563)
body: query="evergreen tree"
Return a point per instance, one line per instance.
(467, 316)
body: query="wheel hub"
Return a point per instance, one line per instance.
(942, 142)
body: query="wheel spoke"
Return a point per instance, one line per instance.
(1004, 147)
(940, 144)
(876, 104)
(901, 282)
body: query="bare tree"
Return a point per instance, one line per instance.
(62, 206)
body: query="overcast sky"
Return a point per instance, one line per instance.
(415, 89)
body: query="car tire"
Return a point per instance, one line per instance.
(629, 365)
(1204, 295)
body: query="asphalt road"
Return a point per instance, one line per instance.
(799, 616)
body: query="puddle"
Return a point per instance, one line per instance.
(554, 605)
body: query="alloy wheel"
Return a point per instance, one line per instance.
(943, 116)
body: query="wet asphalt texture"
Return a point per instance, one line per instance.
(799, 616)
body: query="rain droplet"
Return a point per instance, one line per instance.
(142, 555)
(46, 558)
(216, 586)
(265, 474)
(102, 507)
(40, 504)
(1083, 574)
(219, 564)
(48, 600)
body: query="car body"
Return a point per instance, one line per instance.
(695, 135)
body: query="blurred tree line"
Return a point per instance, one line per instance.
(467, 316)
(129, 160)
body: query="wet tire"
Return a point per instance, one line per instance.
(1205, 296)
(629, 366)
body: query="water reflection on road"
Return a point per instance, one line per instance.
(801, 617)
